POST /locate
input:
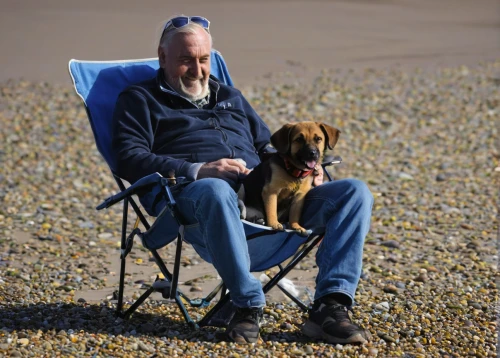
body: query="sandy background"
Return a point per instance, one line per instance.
(37, 38)
(426, 143)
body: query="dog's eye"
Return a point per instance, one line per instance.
(318, 139)
(299, 140)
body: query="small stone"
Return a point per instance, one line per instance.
(308, 349)
(441, 177)
(391, 289)
(23, 341)
(383, 306)
(144, 347)
(386, 337)
(405, 176)
(105, 235)
(390, 243)
(422, 277)
(400, 284)
(86, 225)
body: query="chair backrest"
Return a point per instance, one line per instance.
(99, 83)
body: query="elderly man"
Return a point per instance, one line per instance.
(186, 121)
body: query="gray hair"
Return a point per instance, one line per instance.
(169, 32)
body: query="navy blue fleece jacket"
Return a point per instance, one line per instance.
(157, 130)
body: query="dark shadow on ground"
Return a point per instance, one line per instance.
(102, 318)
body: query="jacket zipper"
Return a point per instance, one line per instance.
(224, 135)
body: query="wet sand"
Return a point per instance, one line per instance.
(256, 38)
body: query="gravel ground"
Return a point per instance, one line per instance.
(426, 142)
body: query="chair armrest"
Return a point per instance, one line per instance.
(141, 185)
(331, 161)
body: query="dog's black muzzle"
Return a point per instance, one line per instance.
(308, 153)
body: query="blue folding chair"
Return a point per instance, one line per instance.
(99, 83)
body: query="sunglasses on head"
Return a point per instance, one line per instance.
(181, 21)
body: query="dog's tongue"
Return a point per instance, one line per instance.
(311, 164)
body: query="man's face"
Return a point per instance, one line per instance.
(186, 64)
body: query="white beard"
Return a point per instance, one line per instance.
(178, 85)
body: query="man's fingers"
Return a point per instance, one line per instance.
(236, 163)
(229, 170)
(237, 168)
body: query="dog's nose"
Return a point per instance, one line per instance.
(313, 152)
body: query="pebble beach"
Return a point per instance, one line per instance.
(426, 143)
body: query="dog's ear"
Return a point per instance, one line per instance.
(281, 138)
(331, 134)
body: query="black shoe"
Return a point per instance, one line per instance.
(331, 322)
(245, 325)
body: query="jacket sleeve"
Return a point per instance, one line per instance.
(133, 138)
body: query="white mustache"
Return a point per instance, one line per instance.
(193, 78)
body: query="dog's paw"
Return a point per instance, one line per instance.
(300, 230)
(276, 226)
(305, 232)
(243, 209)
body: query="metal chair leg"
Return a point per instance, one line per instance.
(122, 264)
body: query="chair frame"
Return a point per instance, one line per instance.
(171, 290)
(220, 314)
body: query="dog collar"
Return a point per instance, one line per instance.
(294, 171)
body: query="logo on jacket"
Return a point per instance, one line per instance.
(224, 105)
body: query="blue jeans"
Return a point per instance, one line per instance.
(341, 209)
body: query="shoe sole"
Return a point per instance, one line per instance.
(313, 330)
(237, 337)
(242, 338)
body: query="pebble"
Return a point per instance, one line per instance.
(390, 243)
(435, 297)
(383, 306)
(391, 289)
(23, 341)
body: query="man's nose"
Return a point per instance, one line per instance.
(195, 69)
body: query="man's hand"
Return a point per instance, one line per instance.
(318, 175)
(230, 170)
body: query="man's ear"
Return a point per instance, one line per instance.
(281, 139)
(331, 134)
(161, 57)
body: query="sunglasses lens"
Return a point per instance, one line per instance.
(201, 21)
(180, 21)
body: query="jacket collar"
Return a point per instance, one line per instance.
(293, 170)
(165, 87)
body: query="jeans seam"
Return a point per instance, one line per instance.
(213, 257)
(205, 236)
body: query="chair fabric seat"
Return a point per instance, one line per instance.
(267, 250)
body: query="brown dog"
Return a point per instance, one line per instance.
(276, 188)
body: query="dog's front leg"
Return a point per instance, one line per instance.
(270, 198)
(296, 212)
